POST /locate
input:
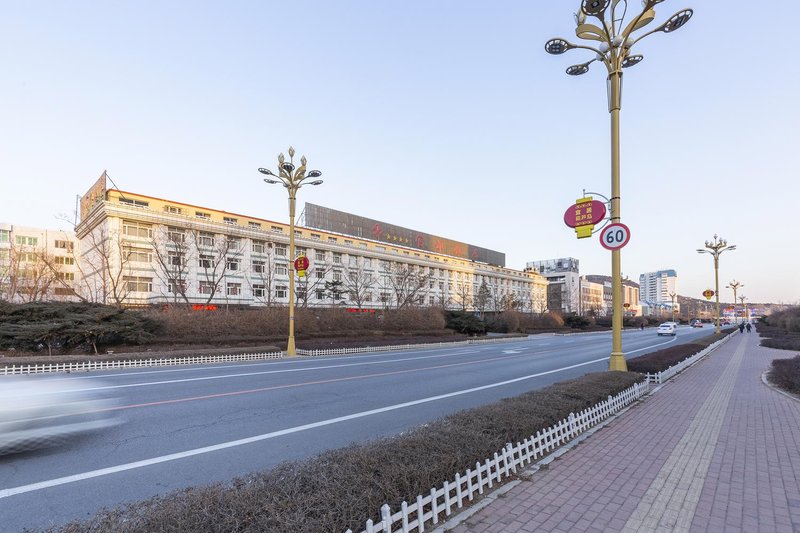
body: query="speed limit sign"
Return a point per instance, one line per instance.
(615, 236)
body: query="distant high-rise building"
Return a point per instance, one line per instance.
(655, 289)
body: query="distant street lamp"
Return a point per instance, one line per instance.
(716, 248)
(673, 295)
(734, 285)
(292, 179)
(745, 318)
(612, 43)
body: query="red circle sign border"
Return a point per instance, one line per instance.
(609, 228)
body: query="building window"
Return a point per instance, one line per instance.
(173, 210)
(176, 235)
(65, 260)
(254, 225)
(281, 270)
(4, 235)
(384, 297)
(234, 263)
(64, 291)
(280, 249)
(29, 241)
(320, 294)
(320, 273)
(137, 255)
(234, 289)
(259, 291)
(348, 243)
(134, 203)
(367, 262)
(4, 255)
(204, 216)
(337, 275)
(319, 256)
(175, 258)
(205, 239)
(315, 236)
(362, 244)
(258, 247)
(205, 261)
(276, 229)
(281, 291)
(368, 297)
(298, 234)
(64, 245)
(259, 266)
(337, 258)
(300, 251)
(27, 257)
(176, 286)
(229, 220)
(331, 239)
(138, 284)
(137, 229)
(205, 287)
(353, 261)
(234, 244)
(65, 276)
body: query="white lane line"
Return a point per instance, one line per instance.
(263, 372)
(5, 493)
(673, 339)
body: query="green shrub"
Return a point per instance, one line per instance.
(465, 322)
(785, 373)
(577, 321)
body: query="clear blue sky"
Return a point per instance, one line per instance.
(443, 116)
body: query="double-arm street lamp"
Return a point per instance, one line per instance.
(292, 179)
(745, 318)
(672, 295)
(612, 41)
(735, 285)
(716, 248)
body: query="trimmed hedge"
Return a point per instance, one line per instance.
(785, 373)
(663, 359)
(342, 488)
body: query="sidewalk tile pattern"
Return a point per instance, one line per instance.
(713, 450)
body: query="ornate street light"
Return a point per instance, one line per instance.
(292, 179)
(672, 295)
(734, 285)
(612, 41)
(745, 318)
(716, 248)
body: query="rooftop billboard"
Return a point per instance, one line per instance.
(327, 219)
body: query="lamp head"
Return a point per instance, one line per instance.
(577, 70)
(288, 167)
(266, 171)
(314, 173)
(678, 20)
(595, 7)
(557, 46)
(271, 182)
(316, 182)
(632, 60)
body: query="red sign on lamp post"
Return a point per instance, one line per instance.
(301, 265)
(583, 215)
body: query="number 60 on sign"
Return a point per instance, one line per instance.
(615, 236)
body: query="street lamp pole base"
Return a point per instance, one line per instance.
(290, 348)
(617, 362)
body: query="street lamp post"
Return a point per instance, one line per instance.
(612, 43)
(292, 179)
(745, 319)
(735, 285)
(716, 248)
(673, 295)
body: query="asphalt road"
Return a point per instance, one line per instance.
(196, 425)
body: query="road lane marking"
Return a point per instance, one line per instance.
(6, 493)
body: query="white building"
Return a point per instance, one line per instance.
(141, 250)
(37, 264)
(564, 283)
(656, 290)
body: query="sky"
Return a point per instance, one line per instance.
(442, 116)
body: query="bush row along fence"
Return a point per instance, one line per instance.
(207, 359)
(134, 363)
(440, 502)
(664, 375)
(342, 351)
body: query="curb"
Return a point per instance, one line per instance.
(766, 382)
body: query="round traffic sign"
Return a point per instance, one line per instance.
(615, 236)
(301, 263)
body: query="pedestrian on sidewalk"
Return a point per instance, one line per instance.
(741, 327)
(748, 327)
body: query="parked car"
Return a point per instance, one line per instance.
(667, 328)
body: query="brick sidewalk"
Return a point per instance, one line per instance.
(714, 449)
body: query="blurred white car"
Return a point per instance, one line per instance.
(667, 328)
(36, 412)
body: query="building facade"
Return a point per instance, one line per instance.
(564, 284)
(38, 264)
(657, 290)
(141, 250)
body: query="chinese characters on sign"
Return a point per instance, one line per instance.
(583, 216)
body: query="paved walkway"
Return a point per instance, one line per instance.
(714, 449)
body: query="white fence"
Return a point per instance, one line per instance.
(441, 502)
(134, 363)
(342, 351)
(664, 375)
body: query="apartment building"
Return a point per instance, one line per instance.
(564, 284)
(37, 264)
(142, 250)
(657, 290)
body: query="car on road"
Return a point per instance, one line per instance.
(667, 328)
(696, 324)
(37, 412)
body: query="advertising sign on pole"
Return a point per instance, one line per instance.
(301, 265)
(708, 293)
(583, 216)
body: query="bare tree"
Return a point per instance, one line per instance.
(463, 295)
(262, 278)
(215, 254)
(314, 280)
(483, 298)
(359, 283)
(29, 274)
(172, 251)
(104, 264)
(406, 283)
